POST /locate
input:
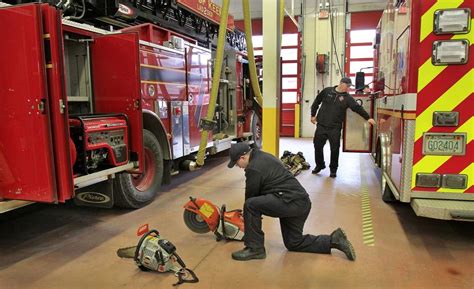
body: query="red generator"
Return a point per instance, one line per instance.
(100, 142)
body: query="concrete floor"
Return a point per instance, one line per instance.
(63, 246)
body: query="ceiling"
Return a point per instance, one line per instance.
(235, 6)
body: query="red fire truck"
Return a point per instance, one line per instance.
(424, 77)
(104, 117)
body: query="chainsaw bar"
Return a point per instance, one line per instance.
(128, 252)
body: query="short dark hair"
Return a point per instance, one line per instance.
(346, 80)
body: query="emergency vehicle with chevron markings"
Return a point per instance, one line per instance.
(424, 107)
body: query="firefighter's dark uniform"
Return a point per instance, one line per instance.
(329, 123)
(271, 190)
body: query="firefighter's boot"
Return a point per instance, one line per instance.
(249, 254)
(339, 241)
(317, 169)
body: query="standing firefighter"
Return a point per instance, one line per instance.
(334, 102)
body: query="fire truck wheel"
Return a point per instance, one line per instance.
(195, 222)
(256, 127)
(137, 190)
(378, 156)
(387, 195)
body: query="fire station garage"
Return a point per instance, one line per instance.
(236, 144)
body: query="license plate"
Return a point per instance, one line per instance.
(446, 144)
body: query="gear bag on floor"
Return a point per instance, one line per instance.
(295, 163)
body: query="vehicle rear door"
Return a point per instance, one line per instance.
(357, 133)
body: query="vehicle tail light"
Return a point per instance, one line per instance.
(428, 180)
(454, 181)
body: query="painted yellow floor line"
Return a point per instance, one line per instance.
(368, 234)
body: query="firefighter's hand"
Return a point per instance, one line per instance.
(371, 121)
(313, 120)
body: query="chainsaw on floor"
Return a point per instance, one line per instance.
(202, 216)
(154, 253)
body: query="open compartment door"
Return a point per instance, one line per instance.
(26, 154)
(58, 105)
(116, 79)
(357, 133)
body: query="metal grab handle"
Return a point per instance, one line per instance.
(366, 134)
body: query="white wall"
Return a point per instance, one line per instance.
(256, 7)
(317, 39)
(370, 6)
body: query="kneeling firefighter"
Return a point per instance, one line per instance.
(271, 190)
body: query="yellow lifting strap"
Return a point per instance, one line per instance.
(248, 40)
(216, 76)
(251, 57)
(218, 66)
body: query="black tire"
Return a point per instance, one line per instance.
(195, 223)
(135, 191)
(387, 195)
(378, 156)
(256, 127)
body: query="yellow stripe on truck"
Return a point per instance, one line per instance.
(446, 102)
(430, 163)
(428, 18)
(427, 72)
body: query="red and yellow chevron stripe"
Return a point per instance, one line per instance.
(444, 88)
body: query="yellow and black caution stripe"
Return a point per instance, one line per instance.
(368, 234)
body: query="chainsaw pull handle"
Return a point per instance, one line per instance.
(181, 280)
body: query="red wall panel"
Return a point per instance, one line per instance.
(365, 20)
